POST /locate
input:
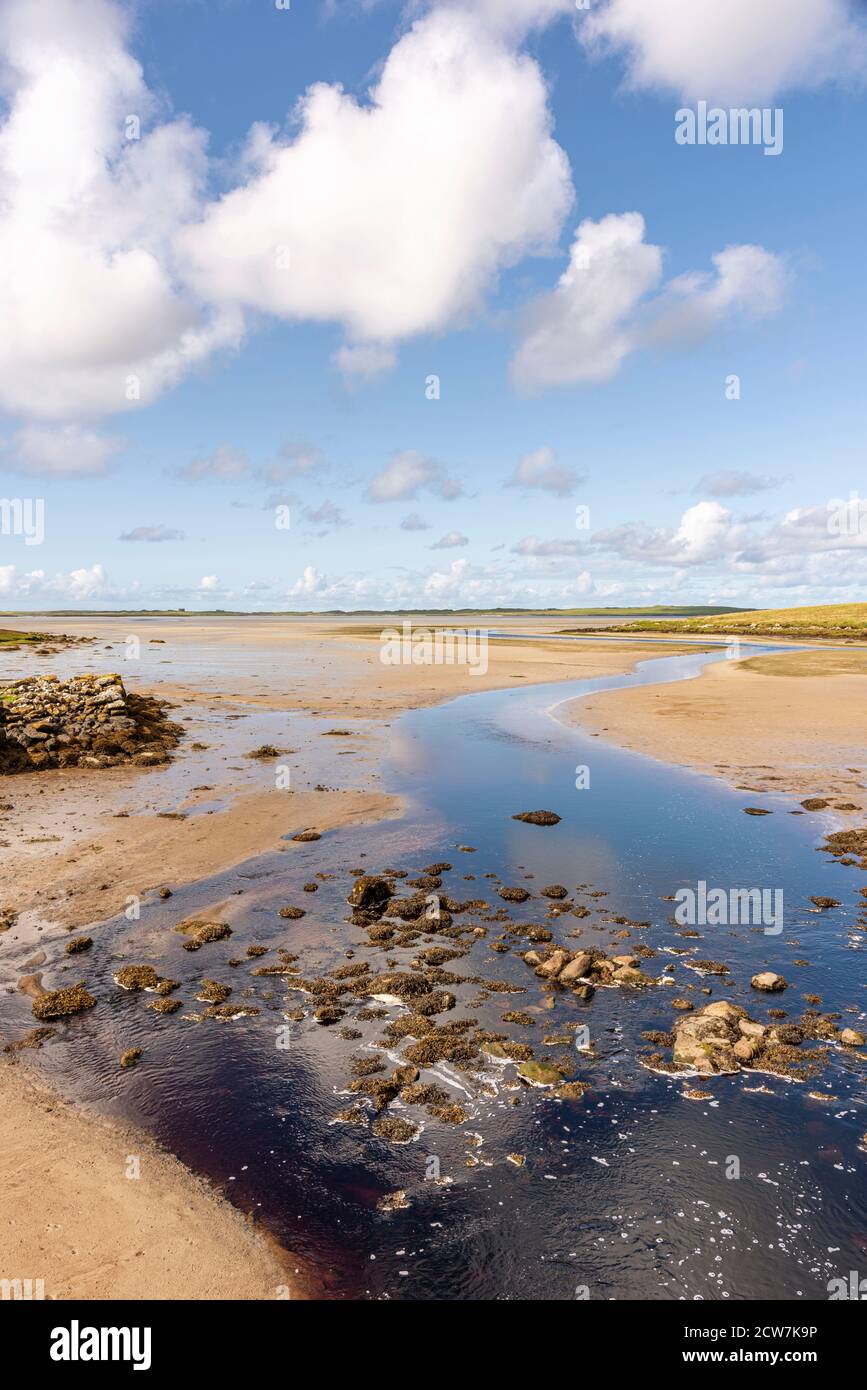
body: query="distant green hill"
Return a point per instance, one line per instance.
(837, 620)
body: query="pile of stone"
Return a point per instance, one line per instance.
(722, 1038)
(582, 971)
(87, 721)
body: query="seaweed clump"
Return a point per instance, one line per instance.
(59, 1003)
(200, 933)
(137, 977)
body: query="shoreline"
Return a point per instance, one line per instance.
(790, 723)
(74, 1215)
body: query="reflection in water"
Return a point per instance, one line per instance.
(625, 1192)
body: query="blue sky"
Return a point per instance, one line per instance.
(426, 218)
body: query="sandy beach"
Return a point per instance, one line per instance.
(788, 722)
(75, 1215)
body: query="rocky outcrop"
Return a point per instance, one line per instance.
(584, 970)
(722, 1038)
(87, 721)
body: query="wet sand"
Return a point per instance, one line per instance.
(71, 860)
(71, 1216)
(788, 722)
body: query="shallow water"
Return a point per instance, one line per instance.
(625, 1192)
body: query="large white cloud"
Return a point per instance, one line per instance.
(731, 50)
(393, 216)
(88, 295)
(389, 217)
(601, 310)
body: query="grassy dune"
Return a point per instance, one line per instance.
(11, 639)
(847, 621)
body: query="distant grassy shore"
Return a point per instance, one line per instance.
(9, 638)
(13, 638)
(846, 621)
(662, 610)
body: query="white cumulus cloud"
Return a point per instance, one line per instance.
(610, 302)
(731, 50)
(382, 215)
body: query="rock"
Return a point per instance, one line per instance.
(756, 811)
(554, 964)
(369, 891)
(86, 721)
(625, 975)
(396, 1130)
(576, 969)
(751, 1030)
(305, 836)
(201, 933)
(136, 977)
(554, 890)
(538, 817)
(705, 1044)
(745, 1049)
(540, 1073)
(212, 992)
(768, 981)
(130, 1057)
(514, 895)
(850, 1037)
(823, 904)
(732, 1013)
(59, 1003)
(78, 943)
(292, 914)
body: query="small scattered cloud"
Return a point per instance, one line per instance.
(209, 584)
(531, 545)
(364, 360)
(541, 471)
(63, 451)
(450, 541)
(325, 515)
(226, 464)
(296, 458)
(153, 534)
(730, 483)
(413, 522)
(407, 474)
